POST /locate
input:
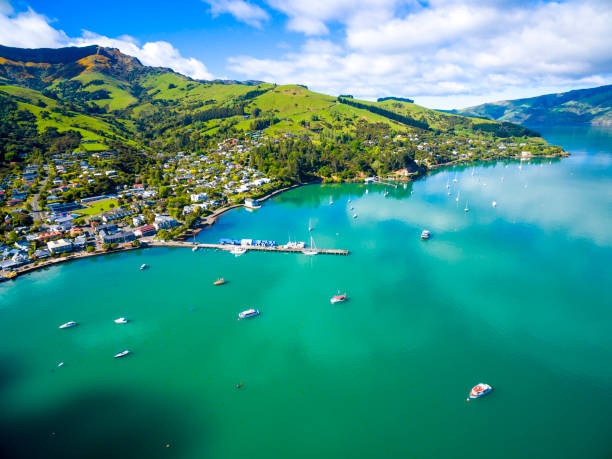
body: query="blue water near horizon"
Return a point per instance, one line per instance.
(515, 295)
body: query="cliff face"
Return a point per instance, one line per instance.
(38, 68)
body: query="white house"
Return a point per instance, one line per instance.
(59, 246)
(199, 197)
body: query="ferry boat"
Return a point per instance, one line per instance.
(479, 390)
(219, 281)
(248, 314)
(68, 325)
(426, 234)
(143, 266)
(121, 354)
(338, 298)
(121, 320)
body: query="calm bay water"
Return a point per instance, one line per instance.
(517, 296)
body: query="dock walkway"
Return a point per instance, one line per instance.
(228, 247)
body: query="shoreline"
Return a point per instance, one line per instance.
(211, 219)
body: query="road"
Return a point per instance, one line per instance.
(36, 211)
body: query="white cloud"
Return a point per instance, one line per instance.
(243, 11)
(447, 47)
(32, 30)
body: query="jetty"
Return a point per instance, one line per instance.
(229, 247)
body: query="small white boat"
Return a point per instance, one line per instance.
(426, 234)
(121, 320)
(349, 200)
(479, 390)
(237, 251)
(312, 250)
(405, 186)
(338, 298)
(494, 204)
(367, 191)
(195, 249)
(143, 266)
(68, 325)
(457, 198)
(121, 354)
(60, 364)
(248, 314)
(467, 209)
(385, 193)
(354, 215)
(331, 201)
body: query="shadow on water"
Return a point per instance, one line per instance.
(103, 424)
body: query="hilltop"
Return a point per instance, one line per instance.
(584, 106)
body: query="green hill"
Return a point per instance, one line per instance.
(96, 98)
(583, 106)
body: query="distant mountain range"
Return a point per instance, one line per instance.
(584, 106)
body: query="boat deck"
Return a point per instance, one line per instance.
(227, 247)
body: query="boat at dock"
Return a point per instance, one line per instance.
(121, 354)
(479, 390)
(195, 249)
(7, 276)
(219, 281)
(248, 314)
(68, 325)
(121, 320)
(338, 298)
(237, 251)
(425, 234)
(312, 250)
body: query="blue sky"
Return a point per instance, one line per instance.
(442, 53)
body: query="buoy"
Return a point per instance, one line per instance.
(167, 445)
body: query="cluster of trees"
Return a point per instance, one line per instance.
(386, 113)
(506, 129)
(400, 99)
(302, 160)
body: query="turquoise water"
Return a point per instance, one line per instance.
(517, 296)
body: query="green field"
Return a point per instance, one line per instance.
(99, 207)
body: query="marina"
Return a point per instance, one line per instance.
(245, 248)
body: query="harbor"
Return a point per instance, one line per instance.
(230, 247)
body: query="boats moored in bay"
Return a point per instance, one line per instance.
(248, 314)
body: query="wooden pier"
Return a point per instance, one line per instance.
(229, 248)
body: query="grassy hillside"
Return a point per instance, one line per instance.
(102, 99)
(585, 106)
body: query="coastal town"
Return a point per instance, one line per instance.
(80, 203)
(44, 220)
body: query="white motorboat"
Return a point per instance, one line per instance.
(121, 354)
(68, 325)
(248, 314)
(143, 266)
(479, 390)
(237, 251)
(121, 320)
(426, 234)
